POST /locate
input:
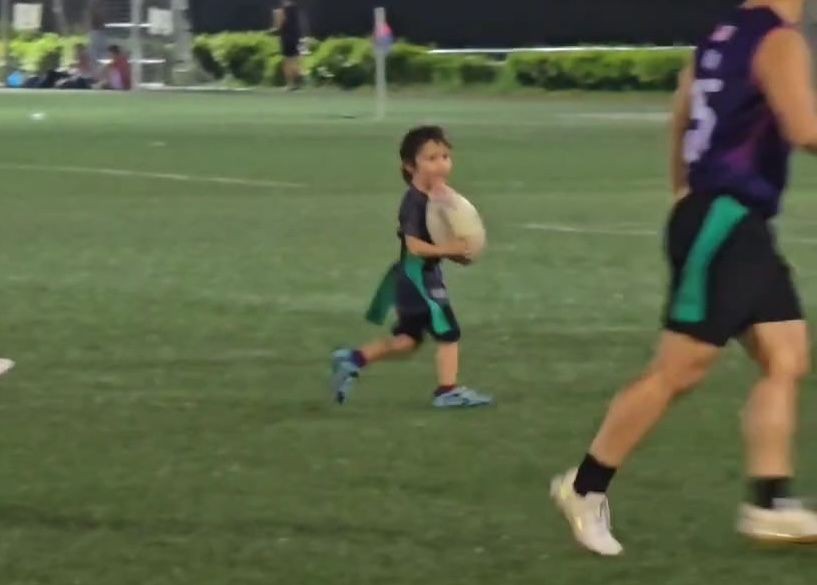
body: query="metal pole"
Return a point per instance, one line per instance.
(381, 53)
(136, 41)
(5, 25)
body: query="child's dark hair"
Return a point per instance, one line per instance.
(413, 143)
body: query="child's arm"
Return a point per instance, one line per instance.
(418, 247)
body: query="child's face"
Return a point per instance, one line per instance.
(432, 165)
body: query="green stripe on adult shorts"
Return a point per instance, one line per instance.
(690, 304)
(413, 267)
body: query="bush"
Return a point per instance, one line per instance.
(409, 63)
(203, 54)
(255, 59)
(535, 70)
(243, 56)
(659, 70)
(346, 62)
(41, 54)
(474, 69)
(454, 70)
(274, 72)
(608, 70)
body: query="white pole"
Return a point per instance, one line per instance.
(381, 53)
(136, 41)
(5, 25)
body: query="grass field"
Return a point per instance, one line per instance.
(174, 270)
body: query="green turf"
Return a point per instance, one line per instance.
(169, 420)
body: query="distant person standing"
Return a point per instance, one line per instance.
(287, 23)
(97, 38)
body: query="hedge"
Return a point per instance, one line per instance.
(599, 70)
(39, 54)
(255, 59)
(349, 63)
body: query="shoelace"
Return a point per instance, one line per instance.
(604, 513)
(602, 522)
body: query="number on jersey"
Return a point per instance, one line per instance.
(699, 140)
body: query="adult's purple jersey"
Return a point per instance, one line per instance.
(734, 145)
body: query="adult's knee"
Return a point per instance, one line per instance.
(791, 365)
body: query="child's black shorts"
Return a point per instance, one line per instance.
(727, 274)
(417, 322)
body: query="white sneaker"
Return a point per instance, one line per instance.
(787, 523)
(589, 516)
(5, 365)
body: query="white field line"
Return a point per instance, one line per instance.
(105, 172)
(607, 230)
(599, 230)
(657, 117)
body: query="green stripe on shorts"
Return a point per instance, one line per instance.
(690, 304)
(413, 267)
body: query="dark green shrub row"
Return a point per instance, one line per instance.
(599, 70)
(349, 62)
(41, 53)
(255, 59)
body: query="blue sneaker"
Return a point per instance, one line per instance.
(462, 397)
(344, 374)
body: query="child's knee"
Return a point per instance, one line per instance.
(405, 343)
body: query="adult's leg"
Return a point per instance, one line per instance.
(770, 417)
(680, 364)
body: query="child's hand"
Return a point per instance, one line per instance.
(458, 249)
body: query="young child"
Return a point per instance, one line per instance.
(415, 284)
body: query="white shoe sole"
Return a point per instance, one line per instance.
(779, 539)
(5, 366)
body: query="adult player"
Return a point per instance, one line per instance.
(287, 23)
(740, 108)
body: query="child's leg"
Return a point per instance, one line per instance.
(384, 349)
(347, 363)
(448, 365)
(449, 393)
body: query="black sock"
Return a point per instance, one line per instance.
(593, 477)
(444, 390)
(765, 490)
(359, 359)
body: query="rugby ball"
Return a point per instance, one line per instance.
(451, 216)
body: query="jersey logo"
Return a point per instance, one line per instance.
(723, 33)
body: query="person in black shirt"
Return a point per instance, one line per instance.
(287, 23)
(415, 284)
